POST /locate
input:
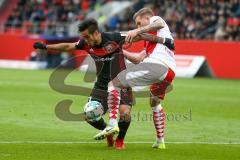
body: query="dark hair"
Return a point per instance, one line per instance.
(90, 24)
(142, 12)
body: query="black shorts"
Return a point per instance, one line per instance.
(102, 95)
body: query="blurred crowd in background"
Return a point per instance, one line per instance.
(50, 16)
(190, 19)
(187, 19)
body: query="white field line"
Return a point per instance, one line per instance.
(95, 142)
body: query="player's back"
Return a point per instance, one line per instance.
(163, 32)
(159, 51)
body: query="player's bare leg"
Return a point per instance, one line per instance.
(158, 119)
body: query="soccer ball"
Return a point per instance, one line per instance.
(93, 111)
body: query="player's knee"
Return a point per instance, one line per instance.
(116, 83)
(154, 101)
(125, 115)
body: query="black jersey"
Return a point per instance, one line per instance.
(108, 57)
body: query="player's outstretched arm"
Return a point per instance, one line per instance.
(155, 39)
(57, 47)
(152, 38)
(149, 37)
(158, 24)
(135, 57)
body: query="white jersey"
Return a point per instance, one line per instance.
(159, 51)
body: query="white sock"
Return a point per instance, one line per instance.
(113, 105)
(158, 119)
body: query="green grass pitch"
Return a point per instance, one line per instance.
(203, 122)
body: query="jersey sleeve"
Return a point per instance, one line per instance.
(119, 37)
(80, 44)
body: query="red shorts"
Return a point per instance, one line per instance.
(161, 88)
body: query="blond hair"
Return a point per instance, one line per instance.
(142, 12)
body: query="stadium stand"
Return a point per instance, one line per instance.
(188, 19)
(49, 16)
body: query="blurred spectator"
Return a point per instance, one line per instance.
(190, 19)
(187, 19)
(46, 15)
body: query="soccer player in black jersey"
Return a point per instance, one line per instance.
(106, 50)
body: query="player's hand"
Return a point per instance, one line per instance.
(39, 45)
(131, 35)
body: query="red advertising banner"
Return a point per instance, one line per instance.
(223, 57)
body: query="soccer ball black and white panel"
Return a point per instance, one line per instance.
(93, 111)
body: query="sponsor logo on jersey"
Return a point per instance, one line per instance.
(110, 47)
(104, 59)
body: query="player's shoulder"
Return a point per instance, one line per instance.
(110, 35)
(80, 44)
(155, 18)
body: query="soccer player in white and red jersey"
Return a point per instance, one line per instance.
(156, 69)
